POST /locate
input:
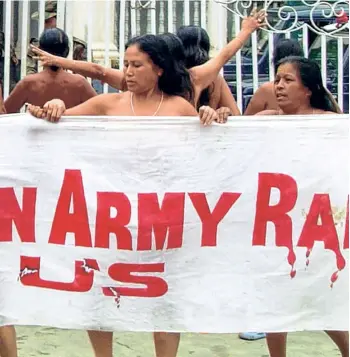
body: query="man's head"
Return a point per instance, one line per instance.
(50, 14)
(54, 41)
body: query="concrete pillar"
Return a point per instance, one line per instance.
(217, 26)
(81, 10)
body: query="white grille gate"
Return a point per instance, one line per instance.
(122, 19)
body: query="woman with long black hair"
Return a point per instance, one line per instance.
(299, 90)
(196, 44)
(203, 75)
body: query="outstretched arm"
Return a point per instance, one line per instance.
(55, 109)
(113, 77)
(206, 74)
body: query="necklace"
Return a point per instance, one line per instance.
(155, 113)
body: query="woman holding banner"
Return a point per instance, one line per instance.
(299, 90)
(154, 89)
(264, 98)
(202, 76)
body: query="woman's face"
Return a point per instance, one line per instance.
(289, 89)
(141, 74)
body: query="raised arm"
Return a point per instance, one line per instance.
(205, 74)
(113, 77)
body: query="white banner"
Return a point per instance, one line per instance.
(162, 224)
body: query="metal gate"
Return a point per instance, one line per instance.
(321, 26)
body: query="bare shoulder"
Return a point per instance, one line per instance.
(183, 107)
(31, 78)
(268, 112)
(78, 77)
(110, 97)
(104, 100)
(266, 87)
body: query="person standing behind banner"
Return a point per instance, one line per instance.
(264, 98)
(52, 82)
(217, 95)
(155, 88)
(299, 90)
(202, 76)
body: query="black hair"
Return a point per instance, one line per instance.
(196, 43)
(311, 77)
(177, 51)
(284, 48)
(54, 41)
(175, 79)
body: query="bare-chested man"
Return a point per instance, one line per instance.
(52, 82)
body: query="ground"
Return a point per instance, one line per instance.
(34, 342)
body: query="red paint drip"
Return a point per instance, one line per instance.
(308, 252)
(340, 260)
(291, 261)
(293, 273)
(334, 278)
(112, 291)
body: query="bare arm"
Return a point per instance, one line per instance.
(113, 77)
(187, 109)
(17, 98)
(206, 74)
(226, 98)
(93, 106)
(258, 102)
(54, 109)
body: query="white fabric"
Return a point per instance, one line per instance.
(231, 287)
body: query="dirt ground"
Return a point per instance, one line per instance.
(34, 342)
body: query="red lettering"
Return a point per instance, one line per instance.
(24, 219)
(277, 214)
(105, 224)
(77, 222)
(125, 273)
(167, 219)
(211, 220)
(83, 276)
(346, 234)
(321, 211)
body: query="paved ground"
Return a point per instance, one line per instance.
(34, 342)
